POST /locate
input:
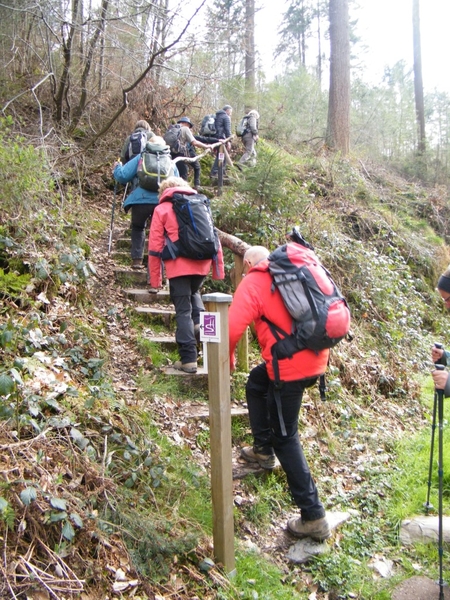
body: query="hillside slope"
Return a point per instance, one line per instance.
(106, 487)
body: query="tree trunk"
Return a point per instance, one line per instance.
(250, 76)
(418, 82)
(338, 126)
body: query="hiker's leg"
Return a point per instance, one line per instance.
(180, 294)
(183, 169)
(249, 144)
(139, 215)
(196, 167)
(256, 397)
(289, 451)
(196, 298)
(215, 167)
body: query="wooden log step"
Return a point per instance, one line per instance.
(166, 315)
(123, 243)
(143, 296)
(161, 339)
(203, 412)
(171, 371)
(130, 277)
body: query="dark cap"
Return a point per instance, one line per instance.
(227, 107)
(185, 120)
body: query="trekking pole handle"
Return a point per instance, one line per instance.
(438, 345)
(439, 367)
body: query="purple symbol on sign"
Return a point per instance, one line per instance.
(210, 325)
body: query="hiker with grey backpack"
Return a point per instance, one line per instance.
(247, 130)
(298, 314)
(181, 142)
(144, 172)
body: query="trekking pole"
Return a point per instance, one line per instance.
(220, 169)
(440, 395)
(125, 193)
(112, 219)
(427, 504)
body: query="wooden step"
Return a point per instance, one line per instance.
(171, 371)
(123, 243)
(161, 339)
(130, 277)
(202, 412)
(143, 296)
(166, 315)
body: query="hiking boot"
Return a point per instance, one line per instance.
(318, 530)
(137, 263)
(266, 461)
(186, 367)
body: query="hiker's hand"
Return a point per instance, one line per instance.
(116, 164)
(256, 137)
(437, 354)
(440, 379)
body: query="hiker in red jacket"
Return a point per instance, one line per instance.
(185, 275)
(255, 298)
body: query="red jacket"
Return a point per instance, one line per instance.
(253, 299)
(164, 222)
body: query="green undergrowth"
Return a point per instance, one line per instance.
(138, 472)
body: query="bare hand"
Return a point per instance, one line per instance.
(436, 354)
(440, 379)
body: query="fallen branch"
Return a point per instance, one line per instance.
(207, 151)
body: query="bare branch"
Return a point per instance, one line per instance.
(141, 77)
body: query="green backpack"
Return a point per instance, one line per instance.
(154, 166)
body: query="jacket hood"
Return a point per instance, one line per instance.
(169, 192)
(262, 265)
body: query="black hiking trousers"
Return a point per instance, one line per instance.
(268, 438)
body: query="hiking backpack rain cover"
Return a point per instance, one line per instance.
(208, 126)
(154, 166)
(198, 237)
(320, 312)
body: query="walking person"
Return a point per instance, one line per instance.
(254, 301)
(250, 137)
(141, 202)
(185, 275)
(188, 141)
(223, 131)
(135, 142)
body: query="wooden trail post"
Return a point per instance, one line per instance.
(220, 427)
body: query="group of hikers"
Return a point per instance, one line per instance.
(142, 201)
(275, 387)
